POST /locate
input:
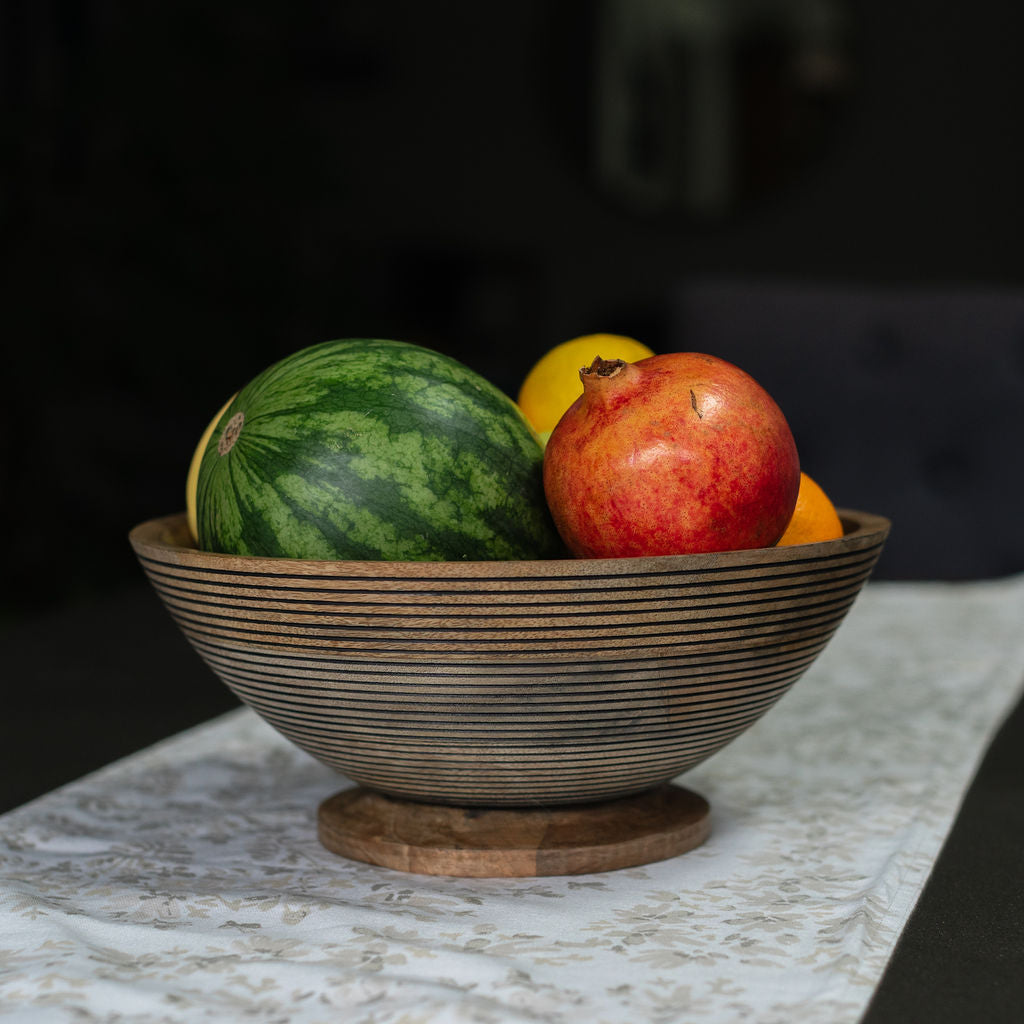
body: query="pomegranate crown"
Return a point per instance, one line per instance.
(602, 368)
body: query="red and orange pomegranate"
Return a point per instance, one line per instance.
(674, 454)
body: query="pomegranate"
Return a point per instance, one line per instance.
(672, 454)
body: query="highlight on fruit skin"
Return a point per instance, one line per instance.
(553, 383)
(814, 518)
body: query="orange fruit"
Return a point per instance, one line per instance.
(814, 518)
(553, 384)
(192, 480)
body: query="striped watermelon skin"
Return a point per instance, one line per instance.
(370, 449)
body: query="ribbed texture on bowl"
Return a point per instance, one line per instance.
(511, 683)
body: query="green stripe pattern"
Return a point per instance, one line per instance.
(368, 449)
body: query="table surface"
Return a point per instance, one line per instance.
(186, 881)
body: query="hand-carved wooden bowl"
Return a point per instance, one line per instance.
(511, 684)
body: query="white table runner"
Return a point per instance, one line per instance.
(186, 882)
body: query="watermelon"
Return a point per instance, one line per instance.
(368, 449)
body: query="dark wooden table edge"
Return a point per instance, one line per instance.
(960, 956)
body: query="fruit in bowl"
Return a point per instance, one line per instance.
(372, 449)
(677, 453)
(486, 679)
(370, 562)
(814, 517)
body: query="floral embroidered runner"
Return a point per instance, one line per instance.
(186, 882)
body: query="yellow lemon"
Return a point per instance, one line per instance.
(553, 384)
(814, 518)
(192, 480)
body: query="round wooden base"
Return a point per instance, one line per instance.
(482, 842)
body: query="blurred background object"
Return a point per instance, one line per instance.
(701, 104)
(192, 191)
(910, 398)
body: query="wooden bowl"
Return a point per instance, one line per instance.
(511, 684)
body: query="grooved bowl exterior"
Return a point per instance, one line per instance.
(511, 683)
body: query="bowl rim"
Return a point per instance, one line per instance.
(165, 539)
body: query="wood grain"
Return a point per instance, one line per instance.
(511, 683)
(432, 839)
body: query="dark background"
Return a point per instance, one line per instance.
(191, 191)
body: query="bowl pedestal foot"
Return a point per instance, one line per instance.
(524, 842)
